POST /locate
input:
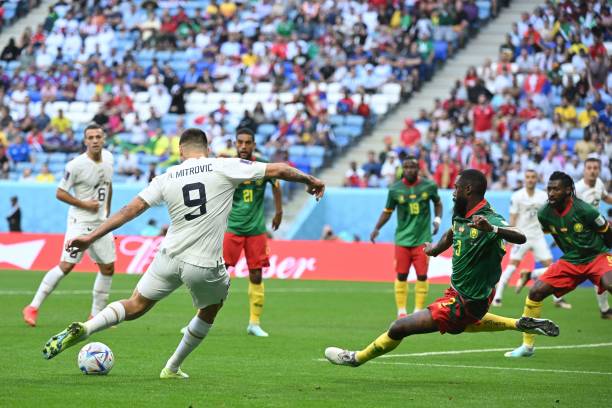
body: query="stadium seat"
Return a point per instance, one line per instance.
(355, 120)
(440, 51)
(575, 133)
(336, 120)
(266, 129)
(297, 150)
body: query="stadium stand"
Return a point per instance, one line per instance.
(309, 77)
(545, 103)
(13, 10)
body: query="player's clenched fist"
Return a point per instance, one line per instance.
(480, 223)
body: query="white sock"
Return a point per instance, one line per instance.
(503, 281)
(48, 284)
(556, 299)
(536, 273)
(195, 333)
(602, 300)
(101, 291)
(111, 315)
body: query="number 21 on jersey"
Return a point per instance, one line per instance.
(247, 196)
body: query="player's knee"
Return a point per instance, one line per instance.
(107, 269)
(397, 330)
(209, 313)
(422, 278)
(402, 277)
(537, 294)
(255, 276)
(66, 267)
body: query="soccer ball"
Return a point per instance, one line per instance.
(96, 358)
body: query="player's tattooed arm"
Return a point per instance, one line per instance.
(66, 197)
(285, 172)
(445, 242)
(510, 234)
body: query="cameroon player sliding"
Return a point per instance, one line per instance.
(584, 236)
(411, 196)
(247, 230)
(477, 236)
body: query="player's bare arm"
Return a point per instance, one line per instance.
(445, 242)
(513, 219)
(66, 197)
(278, 205)
(510, 234)
(382, 220)
(607, 198)
(438, 216)
(110, 199)
(285, 172)
(606, 234)
(136, 207)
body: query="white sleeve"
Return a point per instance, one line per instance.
(239, 170)
(514, 208)
(153, 194)
(67, 182)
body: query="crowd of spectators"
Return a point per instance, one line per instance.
(121, 56)
(544, 104)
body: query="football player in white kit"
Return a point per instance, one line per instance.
(524, 206)
(593, 191)
(90, 177)
(198, 194)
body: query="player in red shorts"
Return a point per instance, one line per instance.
(411, 196)
(247, 230)
(584, 236)
(477, 237)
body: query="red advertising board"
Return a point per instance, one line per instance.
(308, 260)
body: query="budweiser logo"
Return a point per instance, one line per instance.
(281, 268)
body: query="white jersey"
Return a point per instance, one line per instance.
(198, 194)
(591, 195)
(526, 208)
(90, 181)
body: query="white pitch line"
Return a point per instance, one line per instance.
(537, 370)
(270, 290)
(443, 353)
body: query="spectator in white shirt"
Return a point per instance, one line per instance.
(127, 163)
(540, 126)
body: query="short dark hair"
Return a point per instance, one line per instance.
(194, 137)
(92, 126)
(411, 157)
(565, 179)
(476, 179)
(593, 160)
(245, 131)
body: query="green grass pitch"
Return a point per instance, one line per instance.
(232, 369)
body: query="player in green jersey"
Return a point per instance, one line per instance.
(411, 196)
(247, 230)
(584, 236)
(477, 236)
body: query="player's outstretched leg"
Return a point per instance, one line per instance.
(194, 334)
(111, 315)
(49, 282)
(491, 322)
(416, 323)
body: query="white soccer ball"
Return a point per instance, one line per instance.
(96, 358)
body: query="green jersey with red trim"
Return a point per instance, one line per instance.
(413, 210)
(577, 230)
(477, 255)
(247, 216)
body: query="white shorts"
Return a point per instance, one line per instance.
(101, 252)
(538, 246)
(208, 286)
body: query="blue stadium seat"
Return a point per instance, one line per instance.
(336, 120)
(575, 133)
(315, 151)
(302, 163)
(297, 150)
(56, 158)
(355, 120)
(316, 162)
(342, 140)
(266, 129)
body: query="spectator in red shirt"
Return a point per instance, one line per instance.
(446, 172)
(354, 176)
(528, 112)
(482, 115)
(410, 135)
(363, 109)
